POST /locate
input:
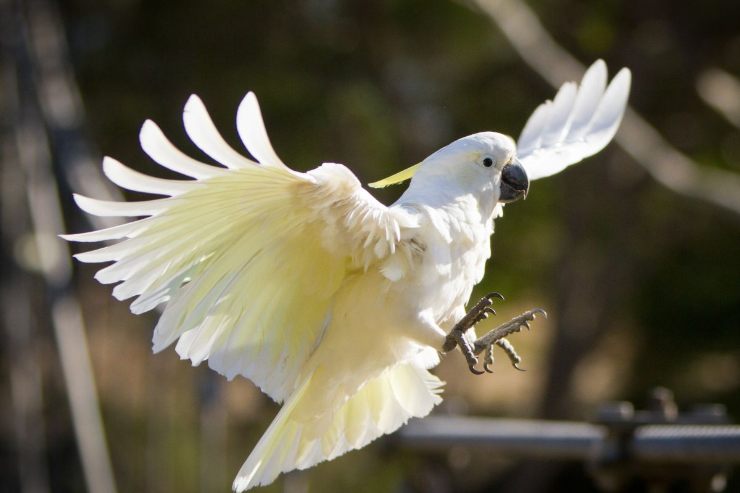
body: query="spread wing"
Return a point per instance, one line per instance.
(578, 123)
(245, 257)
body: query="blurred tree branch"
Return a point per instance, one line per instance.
(721, 91)
(45, 132)
(22, 339)
(667, 165)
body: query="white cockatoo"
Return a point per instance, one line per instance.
(334, 304)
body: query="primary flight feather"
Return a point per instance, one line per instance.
(332, 303)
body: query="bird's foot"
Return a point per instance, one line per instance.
(498, 337)
(456, 337)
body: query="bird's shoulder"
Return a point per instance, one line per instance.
(351, 221)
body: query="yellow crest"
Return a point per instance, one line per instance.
(399, 177)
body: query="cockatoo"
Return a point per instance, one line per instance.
(335, 305)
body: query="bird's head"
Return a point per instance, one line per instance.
(484, 162)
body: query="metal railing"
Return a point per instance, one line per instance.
(622, 444)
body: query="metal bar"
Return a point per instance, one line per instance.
(686, 443)
(567, 440)
(517, 437)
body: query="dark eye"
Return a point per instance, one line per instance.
(488, 162)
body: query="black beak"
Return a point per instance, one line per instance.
(514, 183)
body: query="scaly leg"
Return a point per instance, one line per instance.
(510, 352)
(497, 336)
(456, 337)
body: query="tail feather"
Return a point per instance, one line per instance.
(260, 467)
(381, 406)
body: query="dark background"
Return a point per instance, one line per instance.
(642, 283)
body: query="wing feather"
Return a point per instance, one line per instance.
(164, 153)
(530, 136)
(108, 208)
(203, 133)
(246, 258)
(129, 179)
(578, 123)
(252, 131)
(120, 231)
(590, 93)
(561, 109)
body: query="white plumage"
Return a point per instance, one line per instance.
(577, 124)
(328, 300)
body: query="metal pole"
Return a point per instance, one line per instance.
(715, 444)
(512, 437)
(564, 440)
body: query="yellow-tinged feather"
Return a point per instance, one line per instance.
(296, 441)
(250, 261)
(396, 178)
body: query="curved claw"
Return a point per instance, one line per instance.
(485, 367)
(494, 294)
(540, 311)
(526, 324)
(490, 310)
(474, 370)
(516, 365)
